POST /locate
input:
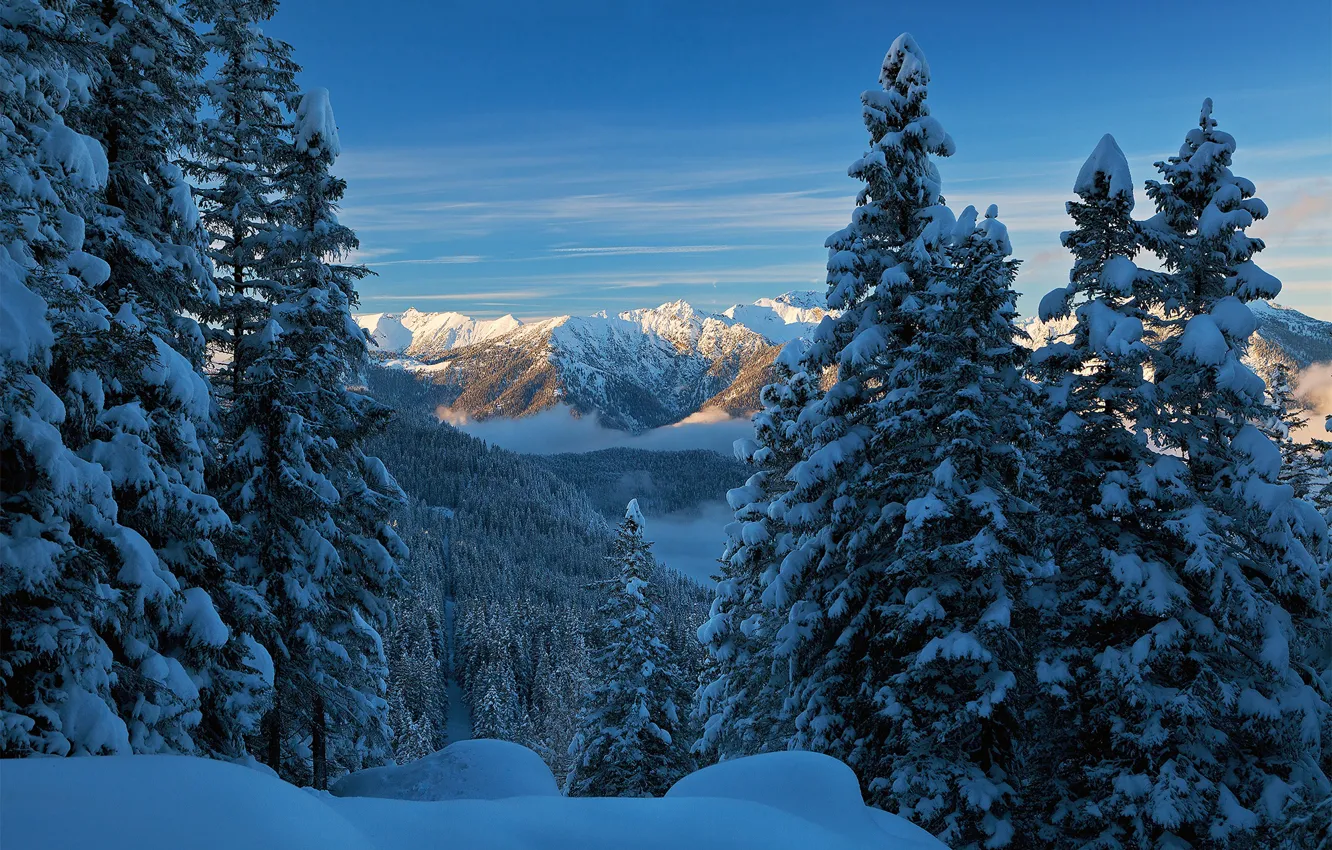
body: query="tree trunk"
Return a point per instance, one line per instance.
(274, 755)
(319, 743)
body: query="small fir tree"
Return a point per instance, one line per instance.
(626, 746)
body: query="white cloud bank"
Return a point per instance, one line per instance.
(691, 541)
(1313, 386)
(558, 430)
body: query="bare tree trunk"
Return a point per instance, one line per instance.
(274, 756)
(319, 743)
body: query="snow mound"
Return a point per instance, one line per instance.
(174, 802)
(151, 802)
(811, 786)
(464, 770)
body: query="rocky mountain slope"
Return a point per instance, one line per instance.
(650, 367)
(638, 370)
(1283, 336)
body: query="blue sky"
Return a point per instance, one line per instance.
(566, 157)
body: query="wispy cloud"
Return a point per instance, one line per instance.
(448, 260)
(634, 250)
(521, 295)
(365, 255)
(650, 207)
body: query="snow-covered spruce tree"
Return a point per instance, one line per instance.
(560, 681)
(315, 506)
(495, 710)
(236, 154)
(416, 677)
(60, 545)
(627, 745)
(1255, 554)
(1302, 463)
(740, 700)
(824, 592)
(1191, 665)
(955, 545)
(1103, 506)
(413, 738)
(187, 683)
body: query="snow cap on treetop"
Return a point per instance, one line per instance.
(1109, 160)
(904, 64)
(632, 512)
(314, 117)
(995, 230)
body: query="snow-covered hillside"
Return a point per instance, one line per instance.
(783, 318)
(654, 366)
(779, 801)
(636, 370)
(424, 335)
(1283, 335)
(427, 332)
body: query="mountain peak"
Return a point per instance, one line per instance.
(805, 299)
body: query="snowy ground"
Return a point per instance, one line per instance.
(781, 801)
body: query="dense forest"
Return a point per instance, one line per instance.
(508, 560)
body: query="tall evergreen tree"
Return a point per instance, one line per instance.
(1252, 550)
(315, 506)
(955, 548)
(891, 251)
(741, 698)
(1195, 608)
(66, 559)
(238, 151)
(1104, 498)
(157, 406)
(1302, 463)
(824, 590)
(628, 746)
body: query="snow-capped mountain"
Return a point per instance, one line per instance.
(654, 366)
(1283, 335)
(783, 318)
(1301, 339)
(430, 332)
(640, 369)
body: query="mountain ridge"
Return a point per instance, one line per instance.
(638, 369)
(644, 368)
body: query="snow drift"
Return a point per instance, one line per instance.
(464, 770)
(781, 800)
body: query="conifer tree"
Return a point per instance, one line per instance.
(60, 543)
(1103, 497)
(1196, 607)
(315, 506)
(956, 549)
(152, 433)
(1302, 463)
(823, 592)
(1253, 551)
(495, 710)
(235, 156)
(238, 152)
(740, 701)
(627, 744)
